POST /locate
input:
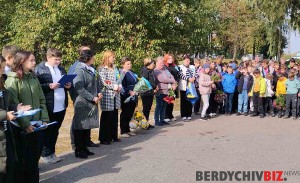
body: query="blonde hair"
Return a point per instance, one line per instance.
(105, 58)
(269, 76)
(198, 61)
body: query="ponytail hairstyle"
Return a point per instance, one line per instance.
(86, 56)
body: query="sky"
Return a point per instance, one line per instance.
(294, 43)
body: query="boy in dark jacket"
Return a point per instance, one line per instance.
(244, 87)
(48, 74)
(229, 84)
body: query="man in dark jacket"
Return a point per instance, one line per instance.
(244, 87)
(49, 73)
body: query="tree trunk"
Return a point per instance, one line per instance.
(234, 52)
(253, 49)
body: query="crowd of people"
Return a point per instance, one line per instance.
(250, 87)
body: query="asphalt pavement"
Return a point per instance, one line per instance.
(174, 153)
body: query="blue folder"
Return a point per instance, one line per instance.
(66, 79)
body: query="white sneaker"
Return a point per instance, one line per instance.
(49, 160)
(124, 135)
(189, 118)
(184, 118)
(173, 119)
(213, 114)
(131, 134)
(56, 158)
(167, 120)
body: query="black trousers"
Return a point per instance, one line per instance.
(169, 111)
(81, 140)
(147, 104)
(51, 133)
(197, 104)
(235, 101)
(268, 105)
(291, 104)
(213, 105)
(28, 154)
(11, 157)
(108, 126)
(258, 104)
(126, 114)
(185, 106)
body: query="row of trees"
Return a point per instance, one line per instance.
(141, 28)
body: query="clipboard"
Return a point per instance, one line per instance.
(40, 127)
(66, 79)
(20, 114)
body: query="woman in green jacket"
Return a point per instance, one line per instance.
(25, 88)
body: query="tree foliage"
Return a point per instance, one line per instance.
(146, 28)
(135, 28)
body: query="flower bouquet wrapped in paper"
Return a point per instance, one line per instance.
(139, 120)
(142, 85)
(219, 97)
(171, 96)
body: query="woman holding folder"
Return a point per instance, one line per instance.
(49, 73)
(25, 88)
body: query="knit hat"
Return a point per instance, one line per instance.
(205, 66)
(233, 65)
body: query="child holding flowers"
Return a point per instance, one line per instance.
(205, 87)
(280, 94)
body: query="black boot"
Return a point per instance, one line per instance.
(88, 153)
(81, 154)
(279, 113)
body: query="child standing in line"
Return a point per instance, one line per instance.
(229, 83)
(281, 90)
(205, 87)
(269, 94)
(244, 87)
(258, 92)
(250, 103)
(292, 87)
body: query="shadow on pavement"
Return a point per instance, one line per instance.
(105, 160)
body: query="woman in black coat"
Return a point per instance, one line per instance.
(147, 97)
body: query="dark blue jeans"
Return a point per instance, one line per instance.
(228, 102)
(160, 110)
